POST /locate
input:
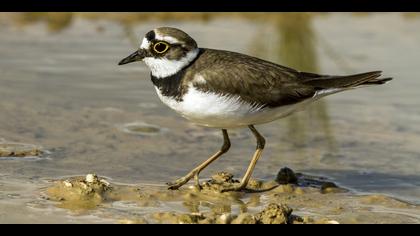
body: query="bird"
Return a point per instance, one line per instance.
(225, 90)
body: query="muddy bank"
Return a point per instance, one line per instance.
(291, 198)
(11, 149)
(90, 192)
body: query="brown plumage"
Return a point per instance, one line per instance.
(256, 81)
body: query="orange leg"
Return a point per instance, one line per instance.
(196, 171)
(260, 146)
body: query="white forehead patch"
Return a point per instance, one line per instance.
(145, 44)
(166, 38)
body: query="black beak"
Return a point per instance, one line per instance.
(136, 56)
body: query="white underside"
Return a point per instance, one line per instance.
(212, 110)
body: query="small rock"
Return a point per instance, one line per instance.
(90, 178)
(286, 176)
(275, 214)
(82, 192)
(222, 177)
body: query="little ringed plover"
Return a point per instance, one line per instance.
(224, 90)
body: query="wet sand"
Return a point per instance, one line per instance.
(94, 199)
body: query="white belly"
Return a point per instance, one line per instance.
(212, 110)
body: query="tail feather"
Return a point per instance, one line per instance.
(377, 81)
(349, 81)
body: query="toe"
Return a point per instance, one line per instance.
(173, 185)
(233, 189)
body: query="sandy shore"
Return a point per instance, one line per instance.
(290, 199)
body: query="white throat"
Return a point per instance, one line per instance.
(162, 67)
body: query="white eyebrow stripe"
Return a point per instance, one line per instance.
(168, 39)
(145, 44)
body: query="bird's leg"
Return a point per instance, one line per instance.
(260, 146)
(196, 171)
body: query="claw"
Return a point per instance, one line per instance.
(237, 188)
(178, 183)
(173, 187)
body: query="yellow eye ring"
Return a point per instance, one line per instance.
(161, 47)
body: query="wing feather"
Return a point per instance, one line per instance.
(252, 79)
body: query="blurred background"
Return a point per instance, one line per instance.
(61, 88)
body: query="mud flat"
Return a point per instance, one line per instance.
(289, 199)
(10, 149)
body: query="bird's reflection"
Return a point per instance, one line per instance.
(294, 45)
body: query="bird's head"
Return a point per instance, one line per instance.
(165, 51)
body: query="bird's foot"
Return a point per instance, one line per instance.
(181, 181)
(177, 183)
(235, 188)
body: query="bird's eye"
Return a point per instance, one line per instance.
(161, 47)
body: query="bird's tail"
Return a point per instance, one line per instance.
(326, 82)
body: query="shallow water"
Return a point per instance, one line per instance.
(62, 89)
